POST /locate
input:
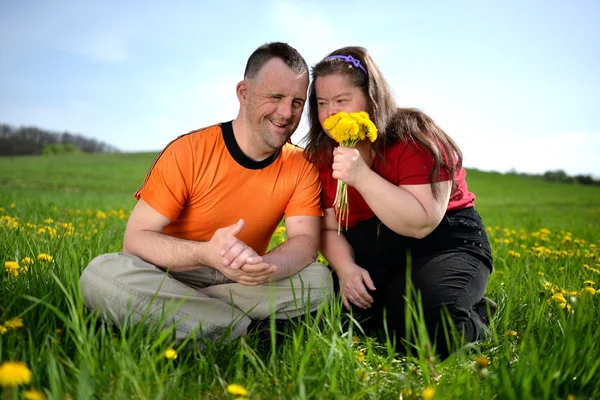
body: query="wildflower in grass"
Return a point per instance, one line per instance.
(170, 354)
(360, 355)
(515, 254)
(33, 394)
(280, 230)
(27, 260)
(589, 282)
(428, 393)
(12, 205)
(589, 290)
(3, 330)
(14, 323)
(237, 390)
(14, 373)
(362, 375)
(511, 333)
(482, 362)
(45, 257)
(100, 214)
(12, 268)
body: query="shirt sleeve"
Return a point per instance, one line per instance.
(306, 199)
(166, 187)
(415, 164)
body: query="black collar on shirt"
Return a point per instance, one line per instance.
(237, 153)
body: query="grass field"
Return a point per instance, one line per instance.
(57, 213)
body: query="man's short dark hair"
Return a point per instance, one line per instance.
(289, 55)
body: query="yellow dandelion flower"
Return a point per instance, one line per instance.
(14, 373)
(360, 355)
(237, 390)
(428, 393)
(280, 230)
(482, 362)
(27, 260)
(589, 290)
(170, 354)
(11, 265)
(33, 394)
(3, 330)
(511, 333)
(14, 323)
(45, 257)
(362, 375)
(12, 205)
(589, 282)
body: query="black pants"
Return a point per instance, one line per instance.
(450, 268)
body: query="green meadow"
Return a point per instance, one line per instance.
(57, 213)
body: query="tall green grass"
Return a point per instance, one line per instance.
(545, 239)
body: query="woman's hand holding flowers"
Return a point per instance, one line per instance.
(349, 166)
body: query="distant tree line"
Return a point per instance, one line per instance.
(560, 176)
(29, 140)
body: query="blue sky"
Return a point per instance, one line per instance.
(515, 83)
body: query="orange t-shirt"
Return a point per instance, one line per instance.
(202, 181)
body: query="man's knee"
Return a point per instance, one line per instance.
(317, 276)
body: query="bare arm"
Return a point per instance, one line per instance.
(409, 210)
(354, 280)
(299, 250)
(144, 238)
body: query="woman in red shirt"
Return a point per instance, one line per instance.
(407, 194)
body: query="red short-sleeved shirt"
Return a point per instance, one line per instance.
(403, 164)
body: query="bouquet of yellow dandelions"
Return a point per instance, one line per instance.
(348, 129)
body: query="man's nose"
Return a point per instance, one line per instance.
(285, 109)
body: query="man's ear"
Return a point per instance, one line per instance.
(241, 91)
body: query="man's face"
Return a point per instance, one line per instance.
(276, 98)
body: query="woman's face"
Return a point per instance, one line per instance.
(336, 93)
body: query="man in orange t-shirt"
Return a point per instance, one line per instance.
(195, 248)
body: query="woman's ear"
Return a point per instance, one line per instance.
(241, 91)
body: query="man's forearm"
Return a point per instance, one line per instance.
(165, 251)
(292, 256)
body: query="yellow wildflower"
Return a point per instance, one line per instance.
(170, 354)
(14, 323)
(27, 260)
(428, 393)
(12, 205)
(362, 375)
(512, 333)
(237, 390)
(3, 330)
(280, 230)
(589, 290)
(589, 282)
(482, 362)
(33, 394)
(11, 265)
(14, 373)
(45, 257)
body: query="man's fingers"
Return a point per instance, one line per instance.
(243, 257)
(254, 269)
(233, 253)
(236, 228)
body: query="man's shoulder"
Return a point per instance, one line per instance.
(292, 152)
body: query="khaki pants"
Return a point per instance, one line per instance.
(203, 301)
